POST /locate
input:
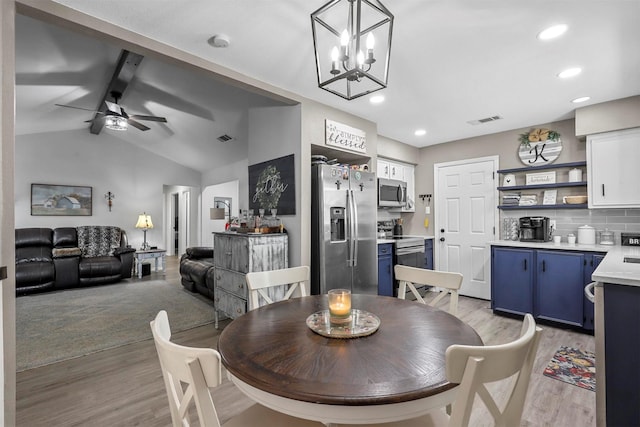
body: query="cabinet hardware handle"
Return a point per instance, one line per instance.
(525, 264)
(227, 253)
(543, 266)
(602, 190)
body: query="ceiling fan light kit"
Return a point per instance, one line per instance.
(116, 123)
(352, 42)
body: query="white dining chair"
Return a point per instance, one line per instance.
(448, 282)
(289, 279)
(188, 374)
(474, 366)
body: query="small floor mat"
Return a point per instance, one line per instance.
(573, 366)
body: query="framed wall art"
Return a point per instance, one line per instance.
(272, 185)
(61, 200)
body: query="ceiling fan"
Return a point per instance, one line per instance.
(115, 117)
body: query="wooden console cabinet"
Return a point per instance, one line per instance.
(234, 256)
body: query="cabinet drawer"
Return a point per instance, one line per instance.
(230, 304)
(385, 249)
(232, 282)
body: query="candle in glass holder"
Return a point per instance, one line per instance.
(339, 304)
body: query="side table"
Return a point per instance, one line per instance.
(155, 254)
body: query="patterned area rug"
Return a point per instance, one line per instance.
(55, 326)
(573, 366)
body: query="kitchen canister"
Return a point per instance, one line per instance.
(575, 175)
(586, 235)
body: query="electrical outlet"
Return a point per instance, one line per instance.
(427, 210)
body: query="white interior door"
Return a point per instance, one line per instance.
(465, 195)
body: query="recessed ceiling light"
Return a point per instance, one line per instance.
(581, 99)
(570, 72)
(552, 32)
(420, 132)
(377, 99)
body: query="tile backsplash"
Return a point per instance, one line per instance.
(568, 220)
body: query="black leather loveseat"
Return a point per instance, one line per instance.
(196, 270)
(67, 257)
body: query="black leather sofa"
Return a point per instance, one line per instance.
(196, 270)
(67, 257)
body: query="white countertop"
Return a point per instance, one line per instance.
(613, 269)
(550, 245)
(387, 240)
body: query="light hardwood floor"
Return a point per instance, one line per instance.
(124, 387)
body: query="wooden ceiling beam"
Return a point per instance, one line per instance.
(125, 70)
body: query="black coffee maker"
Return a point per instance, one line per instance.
(534, 229)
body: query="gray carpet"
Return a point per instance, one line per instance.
(56, 326)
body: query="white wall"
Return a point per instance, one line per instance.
(106, 163)
(227, 189)
(276, 132)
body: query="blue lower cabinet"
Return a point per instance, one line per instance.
(512, 280)
(547, 283)
(385, 269)
(428, 254)
(560, 287)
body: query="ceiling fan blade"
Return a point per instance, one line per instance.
(137, 124)
(150, 118)
(111, 106)
(78, 108)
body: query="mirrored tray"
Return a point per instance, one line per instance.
(362, 324)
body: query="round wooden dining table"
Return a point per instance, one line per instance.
(396, 373)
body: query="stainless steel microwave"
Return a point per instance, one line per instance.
(391, 193)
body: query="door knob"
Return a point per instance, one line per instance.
(442, 239)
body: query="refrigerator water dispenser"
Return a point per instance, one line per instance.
(337, 224)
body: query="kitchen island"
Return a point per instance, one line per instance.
(617, 332)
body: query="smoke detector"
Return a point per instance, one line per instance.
(219, 40)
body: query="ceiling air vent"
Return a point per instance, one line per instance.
(225, 138)
(485, 120)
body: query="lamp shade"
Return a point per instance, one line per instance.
(144, 221)
(217, 213)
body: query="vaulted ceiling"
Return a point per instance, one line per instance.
(451, 62)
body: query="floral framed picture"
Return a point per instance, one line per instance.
(61, 200)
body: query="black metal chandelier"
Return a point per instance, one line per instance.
(341, 29)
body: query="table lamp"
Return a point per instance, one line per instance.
(145, 223)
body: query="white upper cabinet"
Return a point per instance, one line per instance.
(402, 172)
(613, 169)
(396, 171)
(383, 169)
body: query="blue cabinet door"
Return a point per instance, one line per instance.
(560, 286)
(591, 263)
(512, 280)
(385, 269)
(428, 254)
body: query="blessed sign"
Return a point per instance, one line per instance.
(345, 137)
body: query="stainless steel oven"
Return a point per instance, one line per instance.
(408, 251)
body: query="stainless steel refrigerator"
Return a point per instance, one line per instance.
(343, 230)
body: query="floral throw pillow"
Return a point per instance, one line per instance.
(95, 240)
